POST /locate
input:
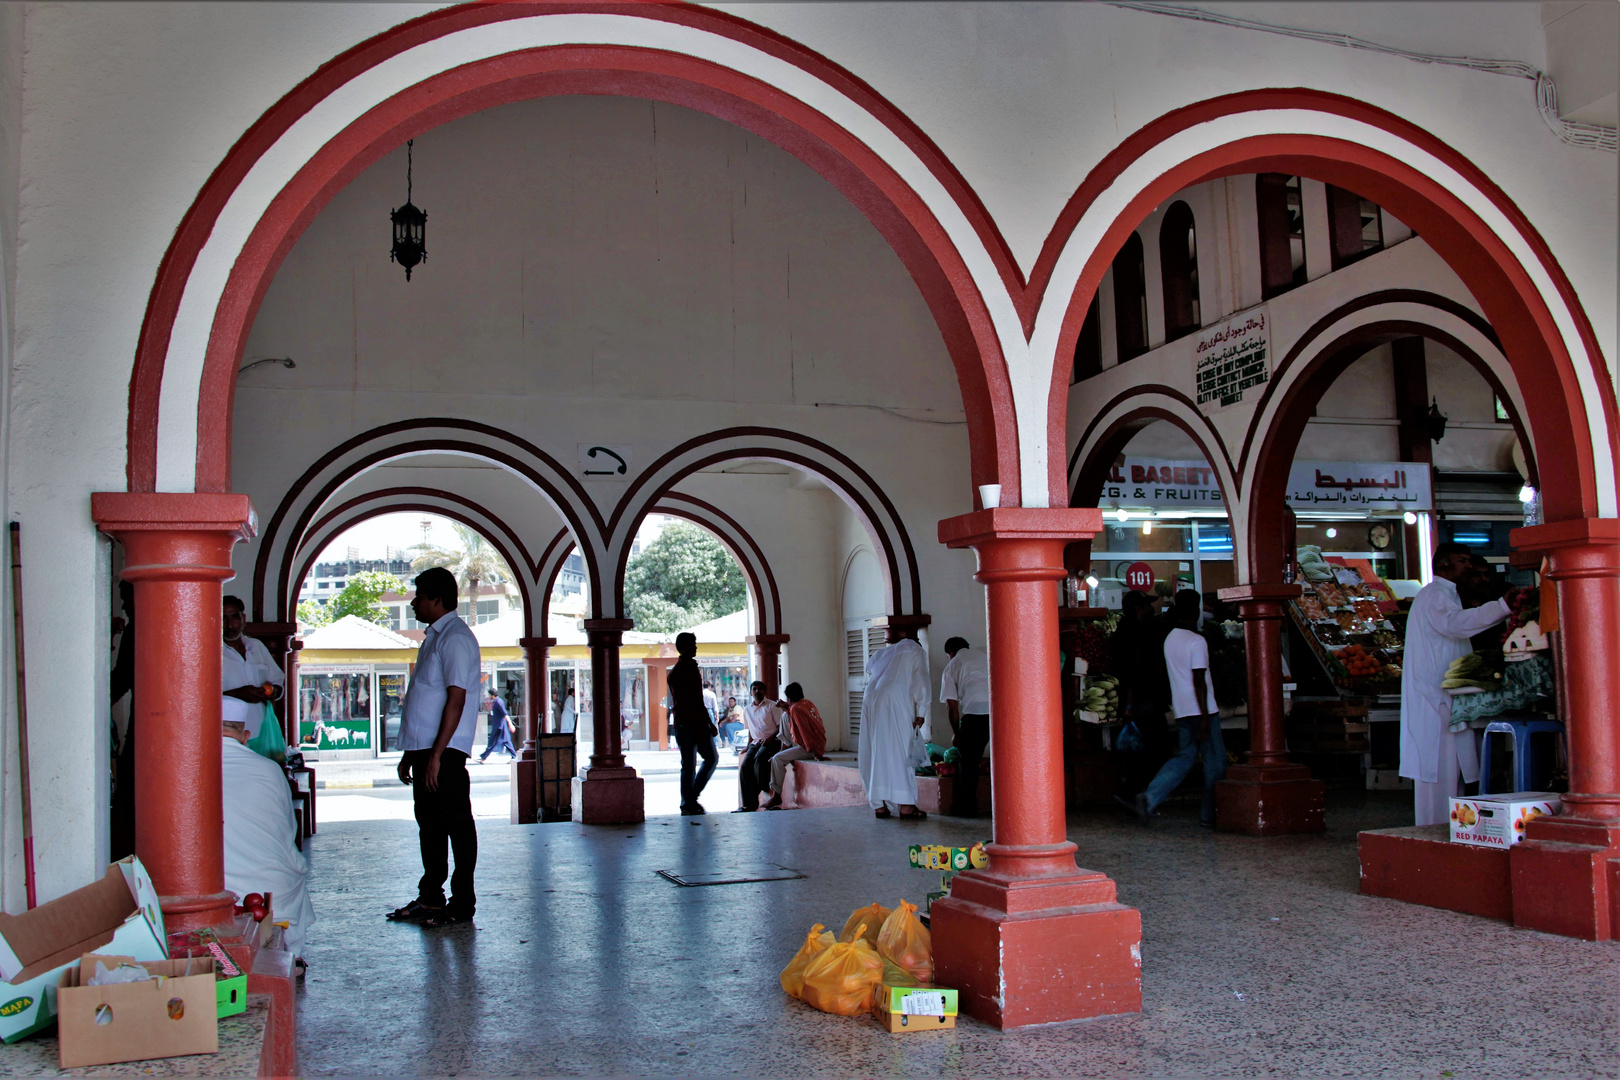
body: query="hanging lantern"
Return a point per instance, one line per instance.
(1435, 421)
(410, 225)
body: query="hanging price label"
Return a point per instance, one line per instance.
(1139, 576)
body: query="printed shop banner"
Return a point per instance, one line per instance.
(1354, 486)
(1360, 485)
(1231, 358)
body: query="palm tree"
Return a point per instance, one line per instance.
(475, 560)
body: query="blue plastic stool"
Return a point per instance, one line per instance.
(1523, 765)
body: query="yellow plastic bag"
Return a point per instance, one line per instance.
(871, 917)
(817, 941)
(907, 942)
(844, 979)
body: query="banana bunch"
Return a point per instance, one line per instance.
(1472, 670)
(1101, 696)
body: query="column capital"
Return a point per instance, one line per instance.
(120, 512)
(767, 641)
(620, 625)
(1260, 597)
(1065, 523)
(542, 643)
(1562, 535)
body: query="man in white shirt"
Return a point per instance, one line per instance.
(436, 734)
(565, 716)
(246, 666)
(1198, 720)
(1437, 631)
(964, 687)
(764, 722)
(260, 855)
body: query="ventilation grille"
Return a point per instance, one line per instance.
(874, 639)
(854, 712)
(855, 660)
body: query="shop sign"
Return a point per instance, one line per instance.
(1360, 485)
(1232, 358)
(1139, 576)
(1157, 482)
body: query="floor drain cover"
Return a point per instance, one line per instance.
(735, 876)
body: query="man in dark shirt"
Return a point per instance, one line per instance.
(694, 728)
(500, 737)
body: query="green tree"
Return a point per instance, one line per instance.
(360, 596)
(683, 578)
(474, 561)
(312, 614)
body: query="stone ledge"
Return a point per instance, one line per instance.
(1420, 865)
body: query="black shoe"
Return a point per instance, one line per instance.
(1142, 812)
(691, 809)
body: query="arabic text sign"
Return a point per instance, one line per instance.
(1141, 481)
(1359, 485)
(1231, 357)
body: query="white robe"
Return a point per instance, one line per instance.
(1437, 633)
(259, 852)
(255, 669)
(897, 692)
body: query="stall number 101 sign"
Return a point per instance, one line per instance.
(1139, 576)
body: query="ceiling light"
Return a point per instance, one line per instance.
(1091, 581)
(1527, 494)
(1409, 517)
(1121, 515)
(1147, 526)
(1332, 533)
(410, 225)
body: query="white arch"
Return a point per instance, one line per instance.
(1591, 369)
(276, 167)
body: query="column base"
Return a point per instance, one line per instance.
(182, 913)
(1038, 950)
(525, 802)
(610, 796)
(1269, 800)
(1419, 864)
(1566, 878)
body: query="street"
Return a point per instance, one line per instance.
(492, 799)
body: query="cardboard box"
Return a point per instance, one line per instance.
(1498, 820)
(171, 1015)
(118, 914)
(918, 1008)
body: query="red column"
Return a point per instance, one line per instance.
(177, 552)
(1031, 939)
(525, 801)
(769, 647)
(609, 792)
(1565, 879)
(1266, 795)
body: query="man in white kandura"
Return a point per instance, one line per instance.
(1437, 632)
(260, 856)
(246, 667)
(895, 705)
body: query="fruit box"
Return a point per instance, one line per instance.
(172, 1014)
(118, 914)
(917, 1008)
(945, 857)
(1498, 820)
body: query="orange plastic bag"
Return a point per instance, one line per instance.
(844, 979)
(871, 917)
(906, 941)
(817, 941)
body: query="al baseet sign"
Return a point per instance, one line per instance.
(1355, 487)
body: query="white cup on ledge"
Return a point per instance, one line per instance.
(989, 495)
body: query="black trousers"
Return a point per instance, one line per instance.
(754, 771)
(972, 736)
(693, 745)
(444, 821)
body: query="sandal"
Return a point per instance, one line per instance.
(446, 918)
(883, 812)
(415, 911)
(915, 815)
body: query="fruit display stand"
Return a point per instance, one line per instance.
(1348, 625)
(1089, 771)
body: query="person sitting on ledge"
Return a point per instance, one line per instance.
(260, 855)
(809, 737)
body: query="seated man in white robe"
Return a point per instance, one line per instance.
(896, 705)
(260, 856)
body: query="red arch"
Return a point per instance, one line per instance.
(1092, 473)
(1530, 338)
(870, 183)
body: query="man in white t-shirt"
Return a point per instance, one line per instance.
(1198, 721)
(764, 719)
(964, 687)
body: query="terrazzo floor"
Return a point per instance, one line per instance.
(1259, 958)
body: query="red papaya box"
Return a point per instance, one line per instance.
(1498, 821)
(905, 1009)
(117, 914)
